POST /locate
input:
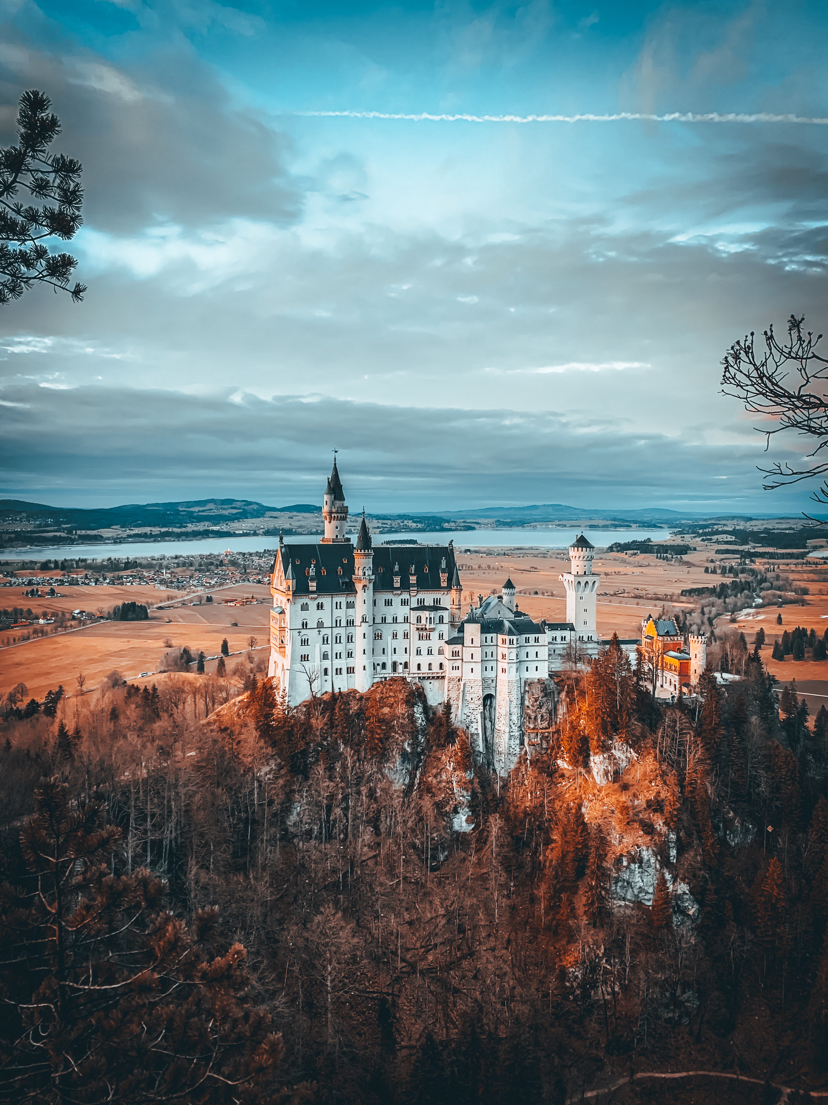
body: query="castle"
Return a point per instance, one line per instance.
(345, 616)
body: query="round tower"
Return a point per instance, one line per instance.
(581, 586)
(334, 510)
(364, 609)
(507, 595)
(456, 598)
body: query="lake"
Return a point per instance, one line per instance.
(550, 538)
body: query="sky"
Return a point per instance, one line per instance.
(309, 226)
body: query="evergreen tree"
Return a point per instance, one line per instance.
(759, 639)
(108, 997)
(596, 897)
(778, 619)
(772, 913)
(798, 647)
(786, 643)
(709, 726)
(64, 749)
(221, 668)
(778, 653)
(225, 648)
(200, 663)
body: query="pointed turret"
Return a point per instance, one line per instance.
(336, 485)
(508, 595)
(334, 510)
(364, 539)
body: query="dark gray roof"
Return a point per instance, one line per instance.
(364, 539)
(514, 627)
(559, 626)
(416, 565)
(336, 485)
(455, 579)
(508, 585)
(328, 488)
(581, 543)
(666, 627)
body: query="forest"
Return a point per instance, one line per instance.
(208, 897)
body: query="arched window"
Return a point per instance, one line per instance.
(440, 619)
(325, 639)
(320, 606)
(325, 656)
(383, 665)
(319, 623)
(429, 667)
(304, 623)
(419, 619)
(304, 606)
(419, 667)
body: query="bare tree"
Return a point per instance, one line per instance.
(786, 385)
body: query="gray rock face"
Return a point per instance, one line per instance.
(540, 703)
(607, 765)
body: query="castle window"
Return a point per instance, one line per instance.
(349, 621)
(350, 638)
(325, 639)
(440, 666)
(404, 601)
(425, 569)
(405, 665)
(389, 602)
(305, 657)
(377, 635)
(338, 639)
(440, 619)
(418, 652)
(430, 651)
(419, 667)
(304, 606)
(323, 571)
(439, 636)
(383, 617)
(394, 618)
(338, 621)
(349, 604)
(429, 667)
(326, 656)
(339, 671)
(419, 619)
(405, 634)
(338, 605)
(394, 635)
(339, 573)
(304, 641)
(325, 672)
(320, 606)
(383, 663)
(319, 623)
(304, 623)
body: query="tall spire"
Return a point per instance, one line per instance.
(335, 484)
(364, 539)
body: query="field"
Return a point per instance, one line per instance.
(631, 587)
(129, 647)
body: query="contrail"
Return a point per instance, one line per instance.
(671, 117)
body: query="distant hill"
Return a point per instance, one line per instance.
(170, 515)
(560, 512)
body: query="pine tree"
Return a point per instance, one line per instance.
(778, 653)
(772, 913)
(596, 895)
(709, 726)
(108, 997)
(64, 749)
(225, 648)
(221, 668)
(200, 663)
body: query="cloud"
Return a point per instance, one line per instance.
(111, 444)
(161, 140)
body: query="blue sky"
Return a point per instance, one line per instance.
(472, 312)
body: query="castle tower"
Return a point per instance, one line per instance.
(507, 595)
(698, 657)
(364, 608)
(334, 510)
(456, 597)
(581, 585)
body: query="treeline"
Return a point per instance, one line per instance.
(793, 643)
(647, 546)
(648, 888)
(129, 612)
